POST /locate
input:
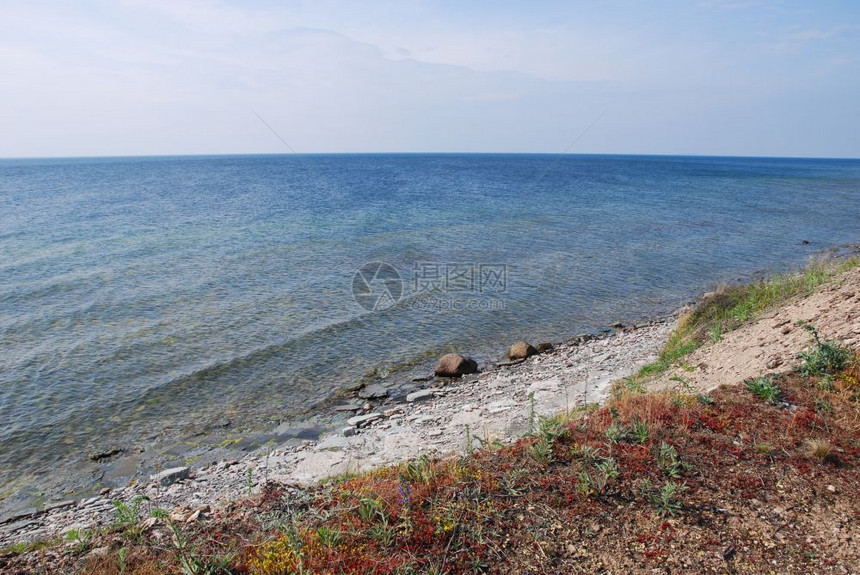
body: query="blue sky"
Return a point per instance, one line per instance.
(723, 77)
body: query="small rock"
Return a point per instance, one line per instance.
(350, 431)
(617, 325)
(348, 407)
(148, 524)
(362, 420)
(544, 347)
(392, 412)
(374, 391)
(106, 453)
(455, 365)
(170, 476)
(99, 552)
(773, 362)
(59, 505)
(521, 350)
(420, 395)
(180, 515)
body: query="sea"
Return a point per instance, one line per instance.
(141, 297)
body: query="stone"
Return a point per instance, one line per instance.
(362, 420)
(99, 552)
(168, 477)
(348, 407)
(521, 350)
(773, 362)
(59, 505)
(421, 395)
(106, 453)
(374, 391)
(350, 431)
(147, 524)
(455, 365)
(544, 347)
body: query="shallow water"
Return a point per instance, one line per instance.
(139, 294)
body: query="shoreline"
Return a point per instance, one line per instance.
(443, 418)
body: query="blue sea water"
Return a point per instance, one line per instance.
(140, 294)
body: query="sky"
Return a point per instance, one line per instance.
(163, 77)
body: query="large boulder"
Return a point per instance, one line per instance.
(521, 350)
(455, 365)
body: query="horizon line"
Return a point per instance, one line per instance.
(552, 154)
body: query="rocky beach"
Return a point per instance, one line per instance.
(445, 416)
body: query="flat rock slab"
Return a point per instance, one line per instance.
(422, 395)
(362, 420)
(374, 391)
(170, 476)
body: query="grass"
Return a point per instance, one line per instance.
(728, 308)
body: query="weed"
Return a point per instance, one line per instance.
(369, 509)
(127, 516)
(665, 499)
(705, 399)
(826, 357)
(192, 562)
(715, 332)
(670, 462)
(420, 471)
(328, 537)
(826, 383)
(616, 432)
(764, 388)
(541, 451)
(531, 413)
(596, 471)
(639, 431)
(81, 537)
(122, 559)
(382, 533)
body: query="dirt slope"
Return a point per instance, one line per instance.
(771, 344)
